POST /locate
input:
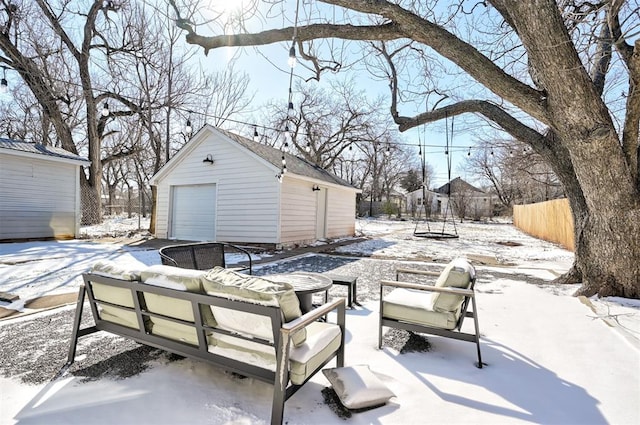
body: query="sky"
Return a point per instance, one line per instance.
(269, 73)
(550, 357)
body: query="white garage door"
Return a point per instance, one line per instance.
(193, 210)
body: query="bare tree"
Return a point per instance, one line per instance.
(548, 70)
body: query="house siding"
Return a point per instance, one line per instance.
(247, 191)
(341, 212)
(299, 209)
(38, 198)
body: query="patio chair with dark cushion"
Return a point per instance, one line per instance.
(437, 310)
(202, 256)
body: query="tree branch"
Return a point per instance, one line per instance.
(489, 110)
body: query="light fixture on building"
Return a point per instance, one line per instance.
(315, 188)
(208, 159)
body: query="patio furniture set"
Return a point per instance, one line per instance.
(195, 307)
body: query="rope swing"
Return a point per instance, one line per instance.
(446, 232)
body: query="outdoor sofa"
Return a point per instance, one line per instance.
(241, 323)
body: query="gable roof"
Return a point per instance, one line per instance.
(457, 185)
(295, 164)
(39, 149)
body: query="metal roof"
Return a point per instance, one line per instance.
(39, 149)
(295, 165)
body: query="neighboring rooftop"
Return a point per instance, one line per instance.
(37, 148)
(457, 185)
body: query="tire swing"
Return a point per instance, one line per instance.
(446, 232)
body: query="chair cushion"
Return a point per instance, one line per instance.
(457, 274)
(414, 306)
(322, 340)
(357, 387)
(236, 286)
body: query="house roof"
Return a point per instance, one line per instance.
(295, 165)
(39, 149)
(457, 185)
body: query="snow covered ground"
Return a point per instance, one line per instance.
(552, 358)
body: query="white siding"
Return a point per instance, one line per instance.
(38, 198)
(247, 190)
(341, 212)
(298, 205)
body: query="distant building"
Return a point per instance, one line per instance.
(39, 191)
(457, 198)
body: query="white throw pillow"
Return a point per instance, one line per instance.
(357, 387)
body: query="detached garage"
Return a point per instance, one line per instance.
(39, 191)
(224, 187)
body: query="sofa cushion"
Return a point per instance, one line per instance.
(179, 280)
(119, 316)
(323, 339)
(112, 294)
(115, 270)
(457, 274)
(414, 306)
(241, 287)
(357, 387)
(173, 330)
(173, 278)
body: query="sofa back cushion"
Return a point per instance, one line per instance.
(236, 286)
(459, 273)
(181, 280)
(115, 270)
(173, 278)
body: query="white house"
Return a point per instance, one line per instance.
(224, 187)
(39, 191)
(454, 198)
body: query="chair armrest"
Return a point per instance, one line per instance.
(314, 315)
(418, 272)
(420, 287)
(244, 251)
(170, 260)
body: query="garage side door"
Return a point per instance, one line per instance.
(193, 212)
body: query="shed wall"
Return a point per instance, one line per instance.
(341, 213)
(298, 206)
(38, 198)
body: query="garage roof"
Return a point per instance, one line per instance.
(295, 165)
(38, 149)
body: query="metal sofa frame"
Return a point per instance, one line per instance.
(282, 332)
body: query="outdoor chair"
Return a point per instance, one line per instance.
(437, 310)
(202, 256)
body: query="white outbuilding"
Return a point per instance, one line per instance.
(39, 191)
(223, 187)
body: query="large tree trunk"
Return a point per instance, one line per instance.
(603, 193)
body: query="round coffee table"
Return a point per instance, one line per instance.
(305, 284)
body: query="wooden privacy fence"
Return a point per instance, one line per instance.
(549, 220)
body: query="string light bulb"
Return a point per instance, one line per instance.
(105, 109)
(290, 110)
(4, 85)
(292, 56)
(308, 147)
(188, 128)
(388, 151)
